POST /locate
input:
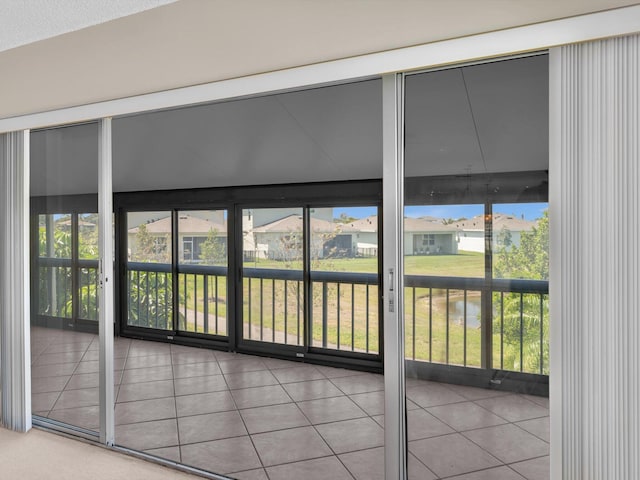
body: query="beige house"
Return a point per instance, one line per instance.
(193, 232)
(507, 230)
(282, 239)
(422, 236)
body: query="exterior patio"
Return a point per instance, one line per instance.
(251, 417)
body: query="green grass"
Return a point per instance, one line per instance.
(272, 306)
(464, 264)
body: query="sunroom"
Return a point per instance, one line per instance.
(247, 273)
(344, 277)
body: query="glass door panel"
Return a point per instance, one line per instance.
(202, 271)
(149, 276)
(64, 324)
(344, 278)
(475, 292)
(272, 275)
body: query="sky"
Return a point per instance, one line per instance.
(530, 211)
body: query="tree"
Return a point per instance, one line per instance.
(529, 260)
(213, 250)
(151, 293)
(151, 248)
(344, 218)
(504, 238)
(528, 314)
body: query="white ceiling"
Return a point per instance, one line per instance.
(27, 21)
(190, 42)
(324, 134)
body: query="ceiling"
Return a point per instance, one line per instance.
(191, 42)
(27, 21)
(476, 119)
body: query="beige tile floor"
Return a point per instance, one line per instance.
(258, 418)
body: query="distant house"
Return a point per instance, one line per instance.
(193, 232)
(506, 232)
(366, 236)
(429, 236)
(422, 236)
(282, 239)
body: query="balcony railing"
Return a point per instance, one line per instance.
(446, 318)
(150, 295)
(202, 302)
(57, 280)
(273, 305)
(343, 308)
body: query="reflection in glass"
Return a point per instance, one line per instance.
(443, 324)
(64, 327)
(444, 240)
(55, 272)
(521, 319)
(476, 314)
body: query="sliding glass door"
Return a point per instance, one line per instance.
(176, 270)
(343, 269)
(202, 272)
(476, 269)
(65, 288)
(149, 278)
(310, 278)
(272, 275)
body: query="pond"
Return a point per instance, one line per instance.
(474, 311)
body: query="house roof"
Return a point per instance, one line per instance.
(500, 221)
(293, 223)
(81, 223)
(422, 224)
(367, 224)
(188, 225)
(426, 226)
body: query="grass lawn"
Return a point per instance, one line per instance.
(464, 264)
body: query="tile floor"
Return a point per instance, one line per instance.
(258, 418)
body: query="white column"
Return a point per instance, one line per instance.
(393, 298)
(105, 240)
(15, 361)
(595, 232)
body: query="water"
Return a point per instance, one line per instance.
(474, 309)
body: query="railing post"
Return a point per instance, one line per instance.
(205, 302)
(487, 293)
(324, 314)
